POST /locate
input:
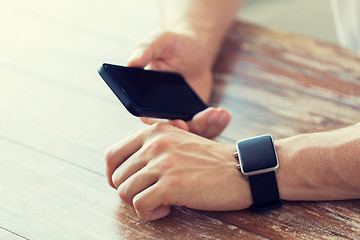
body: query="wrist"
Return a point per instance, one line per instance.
(315, 167)
(287, 176)
(206, 20)
(298, 176)
(241, 197)
(258, 162)
(208, 39)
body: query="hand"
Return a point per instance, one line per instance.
(208, 123)
(182, 53)
(176, 52)
(163, 166)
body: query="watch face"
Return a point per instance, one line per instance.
(257, 155)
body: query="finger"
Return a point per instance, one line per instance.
(116, 154)
(149, 205)
(132, 165)
(141, 56)
(147, 51)
(151, 121)
(180, 124)
(218, 124)
(176, 123)
(135, 184)
(210, 123)
(199, 123)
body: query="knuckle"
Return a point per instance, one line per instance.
(123, 194)
(108, 156)
(158, 144)
(109, 167)
(155, 147)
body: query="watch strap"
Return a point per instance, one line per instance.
(264, 191)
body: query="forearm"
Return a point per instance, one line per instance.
(320, 166)
(207, 20)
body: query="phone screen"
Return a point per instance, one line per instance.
(152, 93)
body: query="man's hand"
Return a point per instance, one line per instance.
(176, 52)
(182, 53)
(163, 166)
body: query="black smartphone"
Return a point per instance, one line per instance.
(155, 94)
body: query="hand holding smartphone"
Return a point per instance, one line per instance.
(155, 94)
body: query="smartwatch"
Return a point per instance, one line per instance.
(258, 162)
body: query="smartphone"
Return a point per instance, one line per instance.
(155, 94)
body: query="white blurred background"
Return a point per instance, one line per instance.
(308, 17)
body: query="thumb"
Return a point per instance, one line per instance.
(179, 124)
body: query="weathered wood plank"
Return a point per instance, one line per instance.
(300, 220)
(7, 235)
(73, 127)
(42, 198)
(284, 84)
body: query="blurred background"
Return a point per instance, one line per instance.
(50, 50)
(311, 18)
(23, 21)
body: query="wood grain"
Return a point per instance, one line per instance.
(58, 117)
(301, 220)
(45, 199)
(7, 235)
(285, 84)
(282, 83)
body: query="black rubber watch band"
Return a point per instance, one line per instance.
(258, 161)
(264, 191)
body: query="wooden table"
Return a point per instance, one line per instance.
(58, 117)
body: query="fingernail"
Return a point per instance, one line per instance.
(223, 119)
(213, 118)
